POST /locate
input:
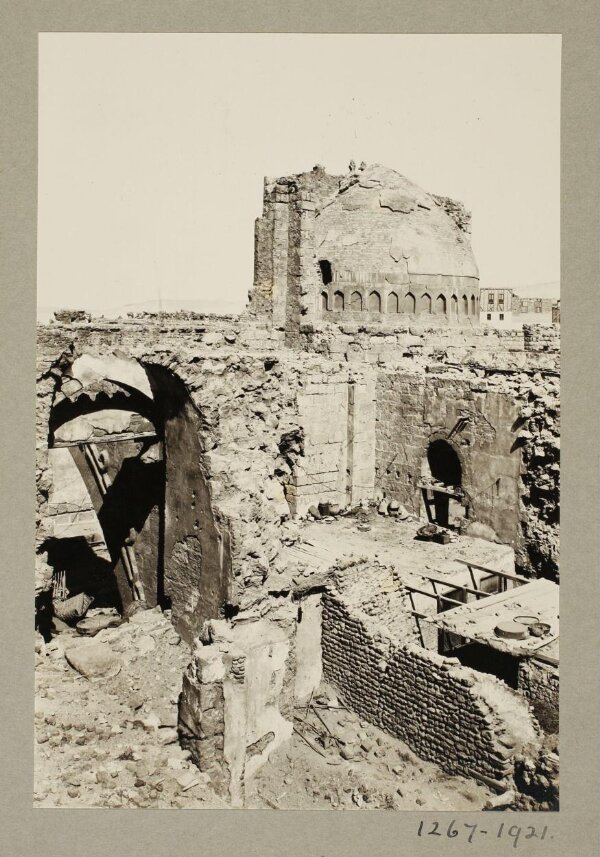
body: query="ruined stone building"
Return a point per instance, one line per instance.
(369, 246)
(189, 462)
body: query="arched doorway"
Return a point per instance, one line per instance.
(442, 484)
(106, 458)
(126, 457)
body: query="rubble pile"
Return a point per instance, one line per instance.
(106, 719)
(541, 478)
(335, 760)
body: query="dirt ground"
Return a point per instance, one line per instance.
(111, 741)
(337, 761)
(392, 540)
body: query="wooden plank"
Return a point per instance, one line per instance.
(437, 490)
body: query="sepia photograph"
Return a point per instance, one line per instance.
(298, 422)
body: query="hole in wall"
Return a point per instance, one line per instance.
(326, 271)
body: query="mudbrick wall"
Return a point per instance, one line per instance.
(469, 723)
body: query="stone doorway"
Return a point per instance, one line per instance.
(442, 485)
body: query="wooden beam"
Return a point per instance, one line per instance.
(112, 438)
(433, 595)
(453, 585)
(505, 574)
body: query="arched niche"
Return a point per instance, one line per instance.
(374, 303)
(393, 304)
(356, 302)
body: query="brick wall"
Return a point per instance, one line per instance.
(464, 721)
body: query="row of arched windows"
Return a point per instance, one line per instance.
(409, 304)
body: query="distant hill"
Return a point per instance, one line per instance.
(216, 307)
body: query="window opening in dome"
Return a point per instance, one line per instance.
(326, 271)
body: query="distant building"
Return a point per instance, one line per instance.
(533, 310)
(496, 307)
(501, 307)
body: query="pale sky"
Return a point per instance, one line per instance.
(153, 149)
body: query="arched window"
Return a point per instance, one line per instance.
(465, 305)
(356, 302)
(473, 305)
(410, 302)
(392, 302)
(324, 301)
(326, 271)
(426, 303)
(338, 301)
(374, 302)
(440, 305)
(454, 305)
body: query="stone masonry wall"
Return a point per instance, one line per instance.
(414, 410)
(251, 413)
(237, 699)
(469, 723)
(509, 450)
(539, 508)
(539, 683)
(420, 344)
(336, 409)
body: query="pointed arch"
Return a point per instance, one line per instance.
(410, 303)
(338, 301)
(465, 305)
(393, 304)
(454, 305)
(473, 305)
(324, 301)
(356, 303)
(425, 303)
(440, 305)
(374, 303)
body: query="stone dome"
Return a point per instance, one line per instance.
(379, 227)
